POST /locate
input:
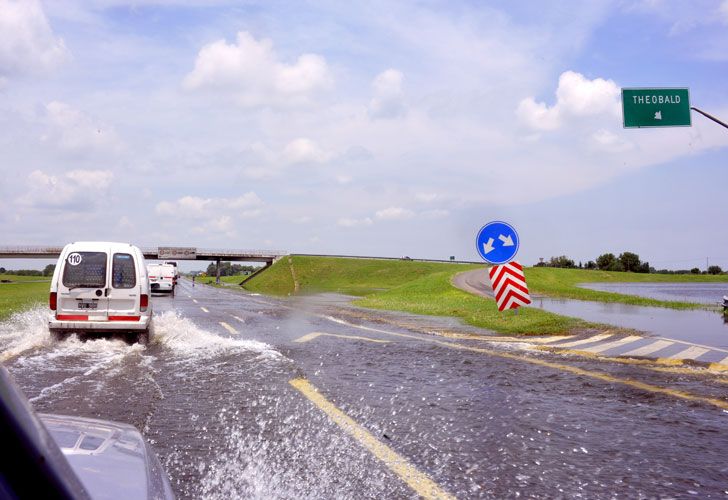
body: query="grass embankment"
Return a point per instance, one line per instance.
(411, 286)
(22, 293)
(563, 283)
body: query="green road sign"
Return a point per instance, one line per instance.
(656, 108)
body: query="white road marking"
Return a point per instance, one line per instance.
(595, 338)
(313, 335)
(689, 353)
(239, 319)
(610, 345)
(723, 361)
(649, 348)
(194, 300)
(204, 309)
(229, 328)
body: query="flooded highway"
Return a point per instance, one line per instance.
(245, 396)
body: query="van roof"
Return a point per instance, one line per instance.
(99, 246)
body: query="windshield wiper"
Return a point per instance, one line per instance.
(83, 286)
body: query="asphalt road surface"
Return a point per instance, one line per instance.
(247, 396)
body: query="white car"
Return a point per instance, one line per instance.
(100, 287)
(162, 277)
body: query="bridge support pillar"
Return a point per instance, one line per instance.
(217, 271)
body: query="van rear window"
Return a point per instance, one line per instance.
(123, 274)
(85, 269)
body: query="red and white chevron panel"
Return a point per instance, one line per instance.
(509, 286)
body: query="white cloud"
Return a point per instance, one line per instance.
(605, 140)
(193, 207)
(74, 190)
(388, 101)
(436, 213)
(349, 222)
(576, 96)
(304, 150)
(251, 72)
(394, 213)
(723, 11)
(27, 43)
(74, 131)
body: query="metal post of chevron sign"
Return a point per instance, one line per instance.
(509, 286)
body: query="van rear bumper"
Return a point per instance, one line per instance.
(141, 325)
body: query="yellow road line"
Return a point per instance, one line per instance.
(595, 375)
(204, 309)
(649, 348)
(578, 371)
(310, 336)
(228, 328)
(415, 479)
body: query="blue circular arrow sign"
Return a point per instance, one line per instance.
(497, 242)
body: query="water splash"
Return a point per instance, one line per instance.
(184, 337)
(24, 331)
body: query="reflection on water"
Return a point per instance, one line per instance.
(702, 327)
(703, 293)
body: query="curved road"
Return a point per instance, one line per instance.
(249, 396)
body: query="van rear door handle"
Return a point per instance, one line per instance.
(106, 292)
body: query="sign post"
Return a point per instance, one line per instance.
(497, 243)
(660, 107)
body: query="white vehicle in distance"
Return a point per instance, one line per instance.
(162, 278)
(176, 269)
(100, 287)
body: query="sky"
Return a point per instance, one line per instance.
(374, 128)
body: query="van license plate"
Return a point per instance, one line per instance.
(88, 305)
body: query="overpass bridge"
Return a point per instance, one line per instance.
(155, 253)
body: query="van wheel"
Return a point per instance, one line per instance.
(58, 335)
(143, 337)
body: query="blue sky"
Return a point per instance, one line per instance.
(385, 128)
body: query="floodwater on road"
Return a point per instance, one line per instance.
(702, 293)
(212, 393)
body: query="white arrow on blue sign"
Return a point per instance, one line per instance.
(497, 242)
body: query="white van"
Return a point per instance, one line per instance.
(162, 277)
(100, 287)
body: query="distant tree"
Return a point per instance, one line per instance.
(616, 265)
(645, 268)
(2, 270)
(630, 261)
(561, 261)
(695, 270)
(714, 270)
(48, 271)
(591, 265)
(605, 261)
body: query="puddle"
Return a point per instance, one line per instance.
(700, 327)
(702, 293)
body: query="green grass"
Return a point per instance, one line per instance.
(562, 283)
(20, 296)
(425, 288)
(434, 295)
(348, 276)
(16, 279)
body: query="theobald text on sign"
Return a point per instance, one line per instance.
(662, 107)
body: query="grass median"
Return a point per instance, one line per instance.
(410, 286)
(22, 293)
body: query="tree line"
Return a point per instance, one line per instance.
(624, 262)
(229, 269)
(48, 271)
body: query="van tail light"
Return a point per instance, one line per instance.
(53, 301)
(144, 302)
